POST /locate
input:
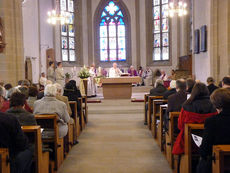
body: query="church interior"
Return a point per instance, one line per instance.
(114, 86)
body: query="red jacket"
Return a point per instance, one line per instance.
(6, 106)
(190, 114)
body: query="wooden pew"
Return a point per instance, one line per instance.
(145, 102)
(56, 143)
(170, 137)
(150, 109)
(189, 157)
(85, 109)
(82, 119)
(73, 105)
(41, 158)
(156, 115)
(70, 136)
(160, 132)
(4, 161)
(221, 159)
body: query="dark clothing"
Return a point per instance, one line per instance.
(25, 118)
(169, 93)
(212, 88)
(189, 90)
(216, 132)
(176, 101)
(40, 95)
(158, 91)
(196, 112)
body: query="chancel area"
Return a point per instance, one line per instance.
(114, 86)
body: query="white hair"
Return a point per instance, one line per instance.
(158, 82)
(59, 88)
(173, 84)
(11, 91)
(50, 90)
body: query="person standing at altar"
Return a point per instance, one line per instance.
(51, 73)
(114, 71)
(132, 71)
(92, 89)
(60, 76)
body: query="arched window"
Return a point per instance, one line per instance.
(68, 32)
(160, 30)
(112, 33)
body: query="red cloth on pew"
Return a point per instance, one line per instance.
(187, 117)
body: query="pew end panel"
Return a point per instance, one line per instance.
(41, 158)
(73, 105)
(4, 160)
(150, 109)
(82, 119)
(170, 137)
(49, 122)
(221, 159)
(145, 102)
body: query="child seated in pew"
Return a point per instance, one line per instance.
(13, 138)
(17, 103)
(216, 129)
(195, 110)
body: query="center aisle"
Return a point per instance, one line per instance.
(115, 141)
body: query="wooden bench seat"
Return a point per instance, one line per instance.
(4, 161)
(41, 158)
(150, 109)
(156, 115)
(73, 105)
(170, 137)
(221, 160)
(55, 143)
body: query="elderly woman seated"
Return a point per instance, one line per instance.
(50, 105)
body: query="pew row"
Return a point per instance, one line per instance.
(49, 123)
(41, 158)
(221, 159)
(150, 109)
(4, 161)
(73, 105)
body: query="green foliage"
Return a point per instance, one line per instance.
(84, 73)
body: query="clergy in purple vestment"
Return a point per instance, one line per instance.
(132, 71)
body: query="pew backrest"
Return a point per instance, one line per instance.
(4, 161)
(221, 159)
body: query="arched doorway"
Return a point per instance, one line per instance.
(28, 69)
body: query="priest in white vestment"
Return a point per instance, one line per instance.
(92, 88)
(114, 71)
(60, 76)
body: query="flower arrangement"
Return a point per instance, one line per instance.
(84, 73)
(67, 76)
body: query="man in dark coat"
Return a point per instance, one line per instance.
(211, 85)
(13, 138)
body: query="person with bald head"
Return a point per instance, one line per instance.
(132, 71)
(114, 71)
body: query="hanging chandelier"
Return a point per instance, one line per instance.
(180, 9)
(58, 16)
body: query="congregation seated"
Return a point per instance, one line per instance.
(17, 102)
(211, 85)
(148, 77)
(216, 129)
(226, 82)
(163, 76)
(24, 88)
(175, 101)
(41, 92)
(33, 93)
(195, 110)
(172, 90)
(13, 138)
(159, 88)
(189, 85)
(132, 71)
(50, 105)
(6, 104)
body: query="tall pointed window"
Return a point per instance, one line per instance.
(68, 32)
(160, 30)
(112, 34)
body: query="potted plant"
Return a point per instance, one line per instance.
(67, 77)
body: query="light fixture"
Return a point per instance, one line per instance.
(180, 9)
(55, 16)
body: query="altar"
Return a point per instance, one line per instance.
(118, 88)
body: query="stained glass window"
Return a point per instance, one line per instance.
(112, 33)
(160, 30)
(68, 32)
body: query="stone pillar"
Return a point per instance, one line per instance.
(12, 65)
